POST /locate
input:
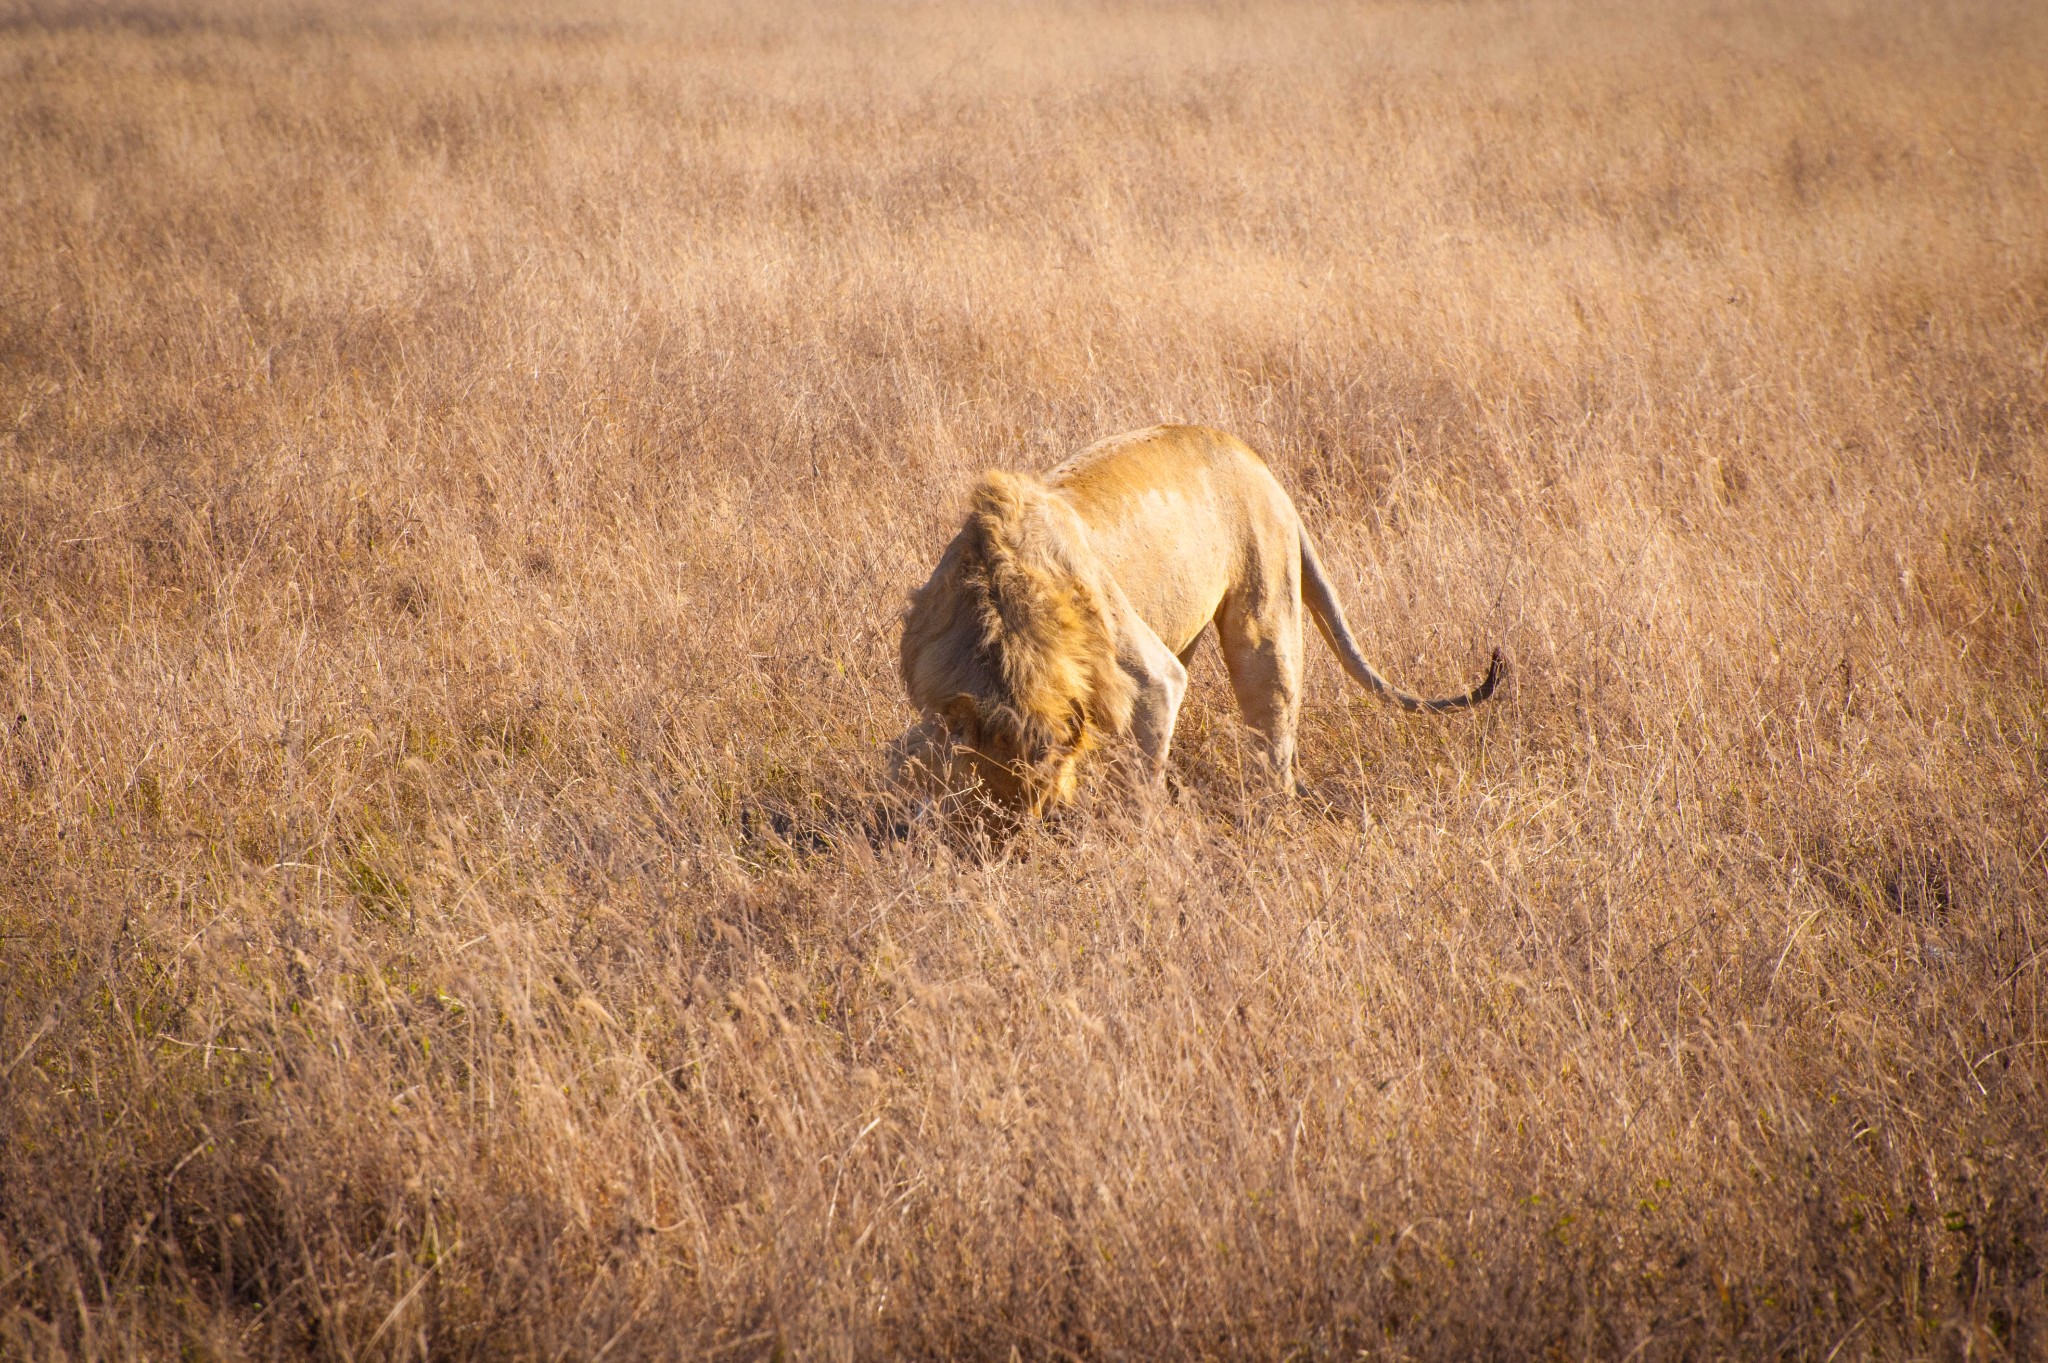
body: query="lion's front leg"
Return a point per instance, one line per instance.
(1161, 682)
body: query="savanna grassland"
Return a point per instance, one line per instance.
(461, 469)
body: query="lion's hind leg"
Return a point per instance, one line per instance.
(1261, 645)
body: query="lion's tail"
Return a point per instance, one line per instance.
(1322, 604)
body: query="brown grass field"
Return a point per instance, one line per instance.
(461, 469)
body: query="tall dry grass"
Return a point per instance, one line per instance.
(459, 475)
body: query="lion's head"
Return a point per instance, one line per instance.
(1008, 651)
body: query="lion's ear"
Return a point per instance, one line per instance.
(962, 714)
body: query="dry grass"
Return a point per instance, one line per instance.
(458, 481)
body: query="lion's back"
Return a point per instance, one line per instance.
(1120, 467)
(1178, 514)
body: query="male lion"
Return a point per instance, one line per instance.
(1066, 609)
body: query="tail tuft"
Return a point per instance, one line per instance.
(1495, 670)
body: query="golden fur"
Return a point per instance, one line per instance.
(1064, 611)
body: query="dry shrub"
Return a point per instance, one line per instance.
(459, 481)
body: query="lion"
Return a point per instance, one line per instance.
(1065, 612)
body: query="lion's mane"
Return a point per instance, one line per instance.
(1013, 619)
